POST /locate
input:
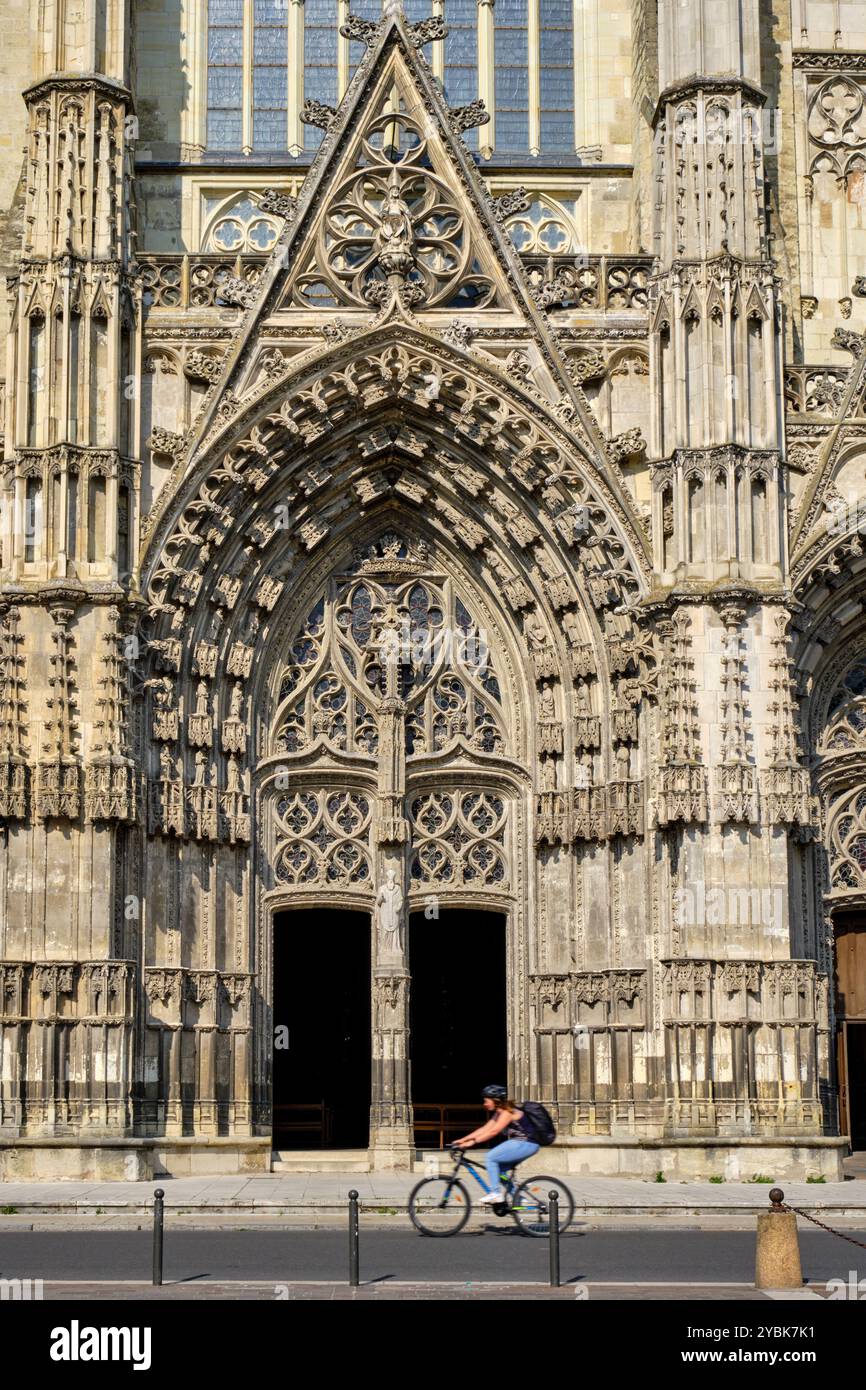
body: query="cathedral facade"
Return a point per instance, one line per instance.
(433, 498)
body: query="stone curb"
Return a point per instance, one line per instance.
(382, 1206)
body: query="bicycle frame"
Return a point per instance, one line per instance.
(461, 1161)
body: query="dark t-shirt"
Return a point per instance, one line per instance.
(520, 1129)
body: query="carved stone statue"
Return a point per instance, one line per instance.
(548, 775)
(395, 236)
(546, 702)
(389, 912)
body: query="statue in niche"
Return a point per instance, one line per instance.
(546, 704)
(233, 776)
(389, 912)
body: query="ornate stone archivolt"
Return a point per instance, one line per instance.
(839, 733)
(270, 487)
(312, 405)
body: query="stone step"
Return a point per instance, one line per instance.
(320, 1161)
(431, 1162)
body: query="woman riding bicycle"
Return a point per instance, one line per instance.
(519, 1141)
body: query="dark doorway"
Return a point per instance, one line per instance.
(322, 1001)
(458, 1019)
(855, 1048)
(850, 942)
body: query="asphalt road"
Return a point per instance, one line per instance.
(287, 1256)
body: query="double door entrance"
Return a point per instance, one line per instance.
(323, 1024)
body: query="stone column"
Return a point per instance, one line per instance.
(391, 1131)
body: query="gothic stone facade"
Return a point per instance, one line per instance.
(397, 553)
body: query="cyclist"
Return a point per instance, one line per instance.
(519, 1142)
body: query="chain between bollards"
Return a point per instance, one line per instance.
(158, 1223)
(778, 1203)
(354, 1253)
(553, 1198)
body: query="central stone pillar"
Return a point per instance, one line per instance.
(391, 1126)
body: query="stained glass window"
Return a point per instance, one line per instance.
(225, 74)
(270, 76)
(257, 73)
(364, 9)
(512, 76)
(557, 76)
(320, 60)
(461, 56)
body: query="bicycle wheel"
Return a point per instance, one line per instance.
(531, 1207)
(439, 1206)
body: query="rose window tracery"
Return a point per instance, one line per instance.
(390, 618)
(393, 214)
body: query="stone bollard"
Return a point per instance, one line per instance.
(777, 1254)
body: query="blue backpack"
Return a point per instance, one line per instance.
(539, 1121)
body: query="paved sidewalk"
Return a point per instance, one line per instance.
(389, 1290)
(327, 1192)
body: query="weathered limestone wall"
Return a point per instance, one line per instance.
(595, 462)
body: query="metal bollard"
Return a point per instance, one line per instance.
(354, 1254)
(158, 1220)
(553, 1198)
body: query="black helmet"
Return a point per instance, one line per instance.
(494, 1093)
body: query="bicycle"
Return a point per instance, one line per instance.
(441, 1206)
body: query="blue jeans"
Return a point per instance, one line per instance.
(505, 1156)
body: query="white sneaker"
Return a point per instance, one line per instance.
(492, 1198)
